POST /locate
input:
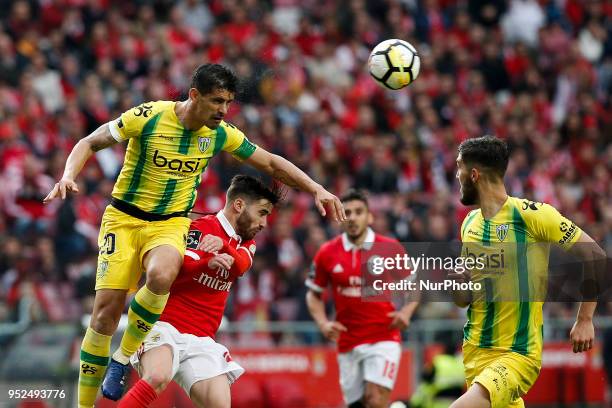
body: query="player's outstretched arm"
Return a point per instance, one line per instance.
(582, 334)
(99, 139)
(288, 173)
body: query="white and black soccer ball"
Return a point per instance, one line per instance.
(394, 64)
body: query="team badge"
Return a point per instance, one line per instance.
(371, 267)
(102, 269)
(252, 248)
(203, 143)
(502, 231)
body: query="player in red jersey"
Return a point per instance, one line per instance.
(368, 333)
(181, 345)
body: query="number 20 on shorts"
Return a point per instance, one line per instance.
(108, 246)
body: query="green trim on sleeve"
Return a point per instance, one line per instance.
(245, 150)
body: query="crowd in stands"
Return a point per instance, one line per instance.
(536, 73)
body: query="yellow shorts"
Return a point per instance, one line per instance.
(505, 374)
(124, 240)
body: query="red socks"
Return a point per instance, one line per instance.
(139, 396)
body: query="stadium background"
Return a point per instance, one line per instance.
(536, 73)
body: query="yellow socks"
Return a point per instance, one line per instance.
(145, 309)
(95, 350)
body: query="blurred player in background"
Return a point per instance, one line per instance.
(368, 333)
(502, 348)
(181, 344)
(146, 225)
(443, 379)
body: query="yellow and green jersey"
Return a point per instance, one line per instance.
(164, 161)
(513, 271)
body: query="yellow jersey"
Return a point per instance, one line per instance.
(514, 269)
(164, 161)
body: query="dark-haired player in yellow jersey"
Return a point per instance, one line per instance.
(145, 227)
(503, 340)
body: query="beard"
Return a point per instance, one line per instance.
(469, 194)
(243, 229)
(355, 232)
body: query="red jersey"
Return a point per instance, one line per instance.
(198, 295)
(339, 262)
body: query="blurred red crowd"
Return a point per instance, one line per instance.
(528, 71)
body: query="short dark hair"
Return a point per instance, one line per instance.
(252, 189)
(354, 194)
(208, 77)
(486, 151)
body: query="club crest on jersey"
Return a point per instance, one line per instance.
(338, 269)
(203, 143)
(502, 231)
(370, 265)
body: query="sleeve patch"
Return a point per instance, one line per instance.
(193, 239)
(569, 231)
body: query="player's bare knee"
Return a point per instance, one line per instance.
(157, 381)
(162, 265)
(373, 399)
(159, 279)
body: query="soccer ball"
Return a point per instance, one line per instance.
(394, 63)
